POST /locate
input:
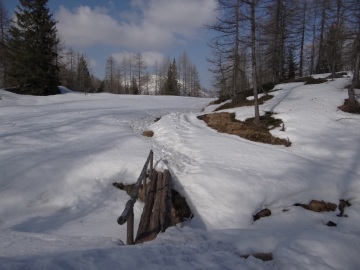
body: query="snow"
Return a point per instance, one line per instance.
(59, 156)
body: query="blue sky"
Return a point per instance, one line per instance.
(156, 28)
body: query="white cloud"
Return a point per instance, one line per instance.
(120, 56)
(92, 63)
(183, 17)
(161, 23)
(86, 26)
(150, 57)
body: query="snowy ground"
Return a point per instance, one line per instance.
(59, 156)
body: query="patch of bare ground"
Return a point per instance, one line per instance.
(240, 102)
(148, 133)
(318, 206)
(226, 123)
(350, 108)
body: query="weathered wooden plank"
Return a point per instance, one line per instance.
(156, 216)
(143, 230)
(155, 226)
(130, 229)
(166, 214)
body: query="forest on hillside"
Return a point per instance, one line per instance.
(34, 60)
(262, 41)
(255, 43)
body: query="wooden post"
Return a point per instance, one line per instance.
(151, 161)
(130, 228)
(130, 203)
(151, 157)
(145, 188)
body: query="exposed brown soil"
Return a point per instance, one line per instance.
(347, 107)
(148, 133)
(318, 206)
(226, 123)
(263, 213)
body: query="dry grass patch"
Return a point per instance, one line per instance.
(350, 108)
(226, 123)
(318, 206)
(148, 133)
(242, 102)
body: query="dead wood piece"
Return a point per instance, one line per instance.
(143, 234)
(166, 205)
(318, 206)
(154, 225)
(263, 213)
(156, 216)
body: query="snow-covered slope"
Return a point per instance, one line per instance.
(59, 156)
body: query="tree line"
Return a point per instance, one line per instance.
(131, 75)
(262, 41)
(33, 60)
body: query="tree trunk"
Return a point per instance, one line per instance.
(236, 50)
(302, 40)
(352, 102)
(320, 54)
(254, 66)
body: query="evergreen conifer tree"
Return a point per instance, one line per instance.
(171, 84)
(84, 83)
(33, 39)
(4, 25)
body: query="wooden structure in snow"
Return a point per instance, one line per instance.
(156, 216)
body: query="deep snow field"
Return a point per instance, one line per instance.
(59, 156)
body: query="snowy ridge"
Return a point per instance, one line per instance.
(60, 154)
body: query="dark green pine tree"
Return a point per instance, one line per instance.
(171, 84)
(33, 40)
(84, 83)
